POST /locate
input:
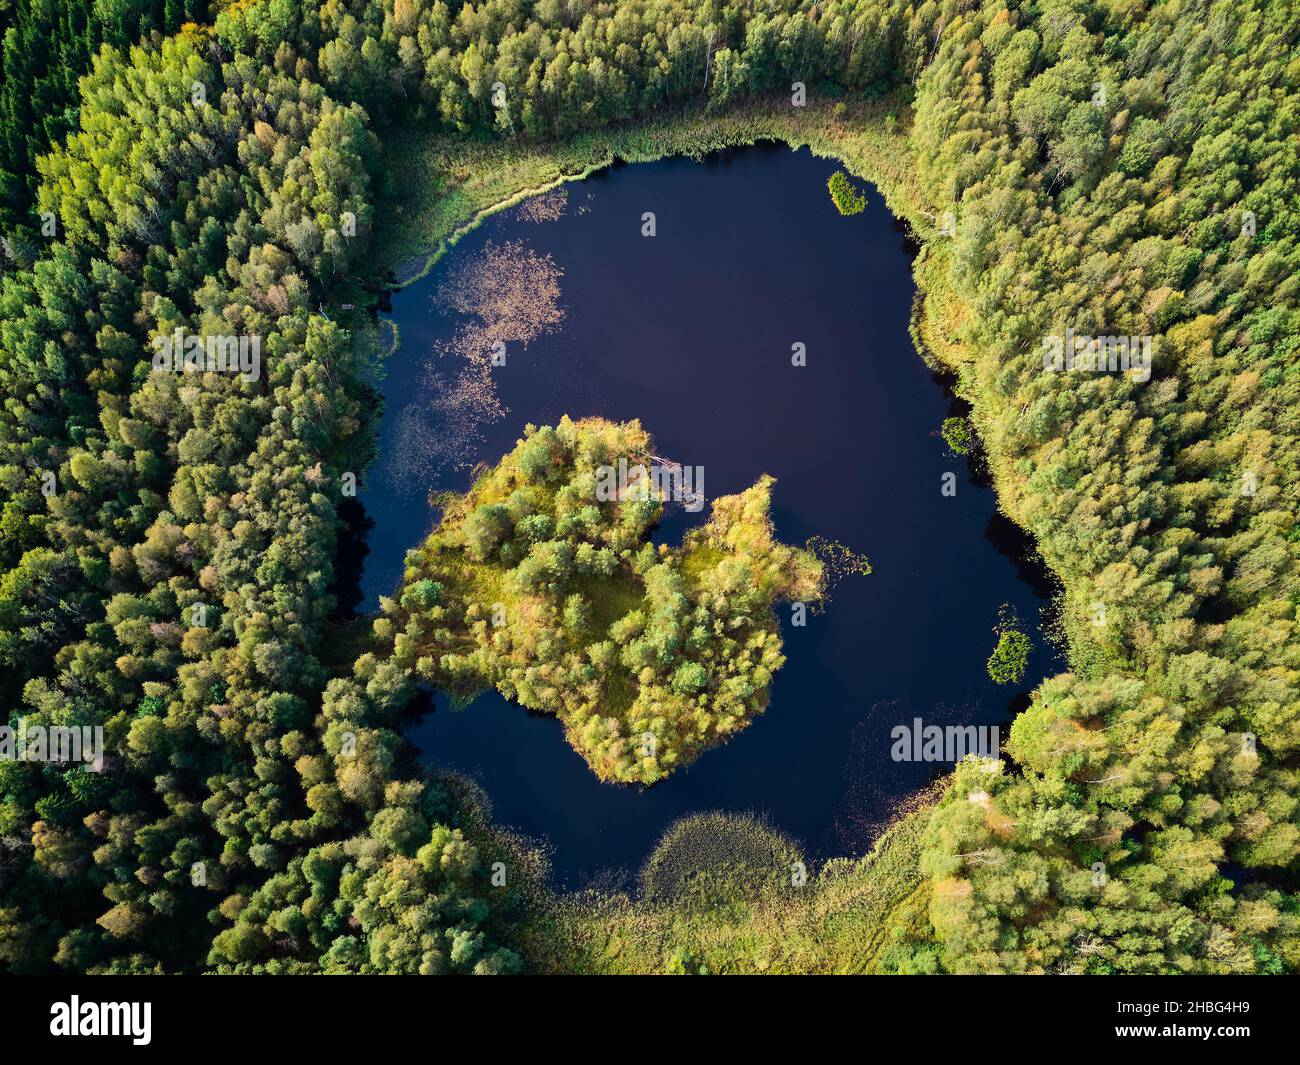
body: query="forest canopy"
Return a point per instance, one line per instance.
(540, 584)
(168, 542)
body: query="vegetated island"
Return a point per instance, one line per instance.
(849, 199)
(541, 585)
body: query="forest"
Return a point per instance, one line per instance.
(170, 542)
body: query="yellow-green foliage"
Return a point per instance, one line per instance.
(714, 858)
(848, 198)
(1166, 506)
(541, 585)
(718, 895)
(449, 185)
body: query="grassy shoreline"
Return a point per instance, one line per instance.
(449, 186)
(846, 919)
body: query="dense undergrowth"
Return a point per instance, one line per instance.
(1110, 169)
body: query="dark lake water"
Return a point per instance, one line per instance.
(691, 332)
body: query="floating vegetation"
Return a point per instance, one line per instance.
(416, 451)
(868, 807)
(548, 207)
(838, 561)
(462, 403)
(1010, 658)
(865, 808)
(958, 435)
(507, 296)
(510, 295)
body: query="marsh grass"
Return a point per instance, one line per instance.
(718, 859)
(710, 892)
(446, 186)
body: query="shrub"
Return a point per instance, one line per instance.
(848, 198)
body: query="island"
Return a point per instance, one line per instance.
(542, 581)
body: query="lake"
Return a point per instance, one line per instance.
(691, 331)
